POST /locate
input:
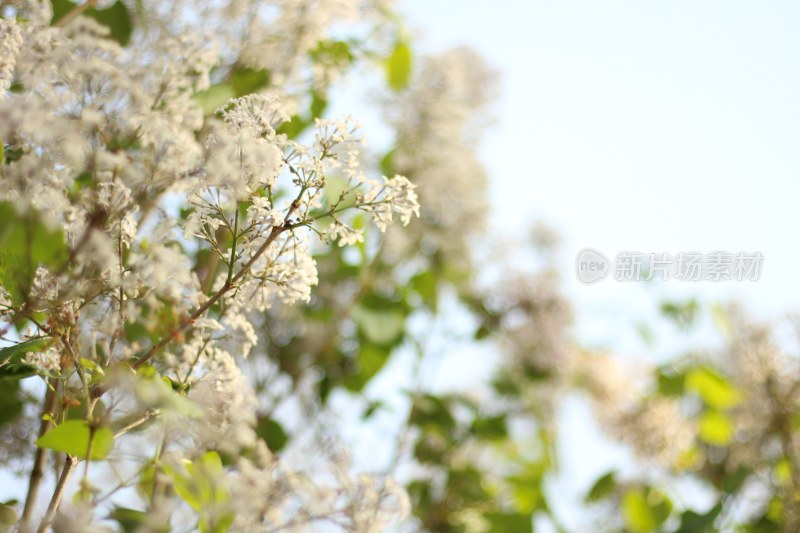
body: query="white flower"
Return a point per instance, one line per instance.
(346, 235)
(395, 195)
(10, 43)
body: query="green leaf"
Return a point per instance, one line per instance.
(157, 393)
(383, 327)
(682, 313)
(432, 413)
(387, 163)
(11, 359)
(201, 485)
(733, 482)
(692, 522)
(11, 404)
(214, 97)
(645, 510)
(25, 243)
(508, 522)
(671, 383)
(73, 437)
(636, 511)
(332, 53)
(272, 433)
(294, 127)
(17, 371)
(398, 66)
(247, 81)
(715, 428)
(318, 104)
(716, 391)
(603, 487)
(131, 521)
(425, 285)
(490, 428)
(8, 516)
(17, 352)
(116, 18)
(468, 483)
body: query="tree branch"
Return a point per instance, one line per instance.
(74, 12)
(66, 472)
(39, 460)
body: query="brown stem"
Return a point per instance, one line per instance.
(74, 12)
(187, 322)
(69, 466)
(39, 460)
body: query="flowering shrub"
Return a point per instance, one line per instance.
(142, 225)
(208, 285)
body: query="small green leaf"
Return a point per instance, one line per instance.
(17, 371)
(214, 97)
(671, 383)
(318, 104)
(201, 485)
(425, 285)
(715, 428)
(383, 327)
(25, 243)
(603, 487)
(272, 433)
(73, 437)
(398, 66)
(715, 390)
(157, 393)
(11, 359)
(490, 427)
(508, 522)
(8, 516)
(16, 352)
(332, 53)
(116, 18)
(432, 413)
(682, 313)
(247, 81)
(11, 403)
(645, 509)
(131, 521)
(693, 522)
(387, 163)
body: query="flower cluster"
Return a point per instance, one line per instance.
(150, 230)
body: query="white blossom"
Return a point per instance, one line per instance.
(394, 195)
(10, 43)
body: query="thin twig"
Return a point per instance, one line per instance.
(66, 472)
(151, 413)
(39, 460)
(187, 322)
(74, 12)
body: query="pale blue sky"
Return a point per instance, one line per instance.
(653, 126)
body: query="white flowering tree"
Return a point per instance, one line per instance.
(202, 273)
(153, 199)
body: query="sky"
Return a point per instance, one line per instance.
(651, 126)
